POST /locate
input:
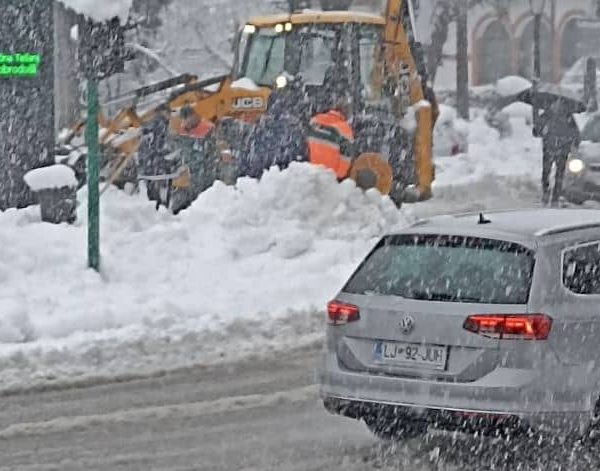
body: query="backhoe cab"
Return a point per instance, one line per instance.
(374, 61)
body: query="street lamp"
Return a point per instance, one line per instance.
(537, 8)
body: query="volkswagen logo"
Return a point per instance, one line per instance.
(407, 324)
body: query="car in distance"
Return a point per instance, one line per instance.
(477, 323)
(582, 177)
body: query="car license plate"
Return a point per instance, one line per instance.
(411, 354)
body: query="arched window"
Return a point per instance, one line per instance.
(526, 50)
(494, 53)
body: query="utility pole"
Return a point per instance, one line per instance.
(537, 61)
(101, 54)
(462, 59)
(537, 9)
(93, 175)
(590, 85)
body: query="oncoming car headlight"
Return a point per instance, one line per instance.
(576, 165)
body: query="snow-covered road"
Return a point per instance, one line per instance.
(257, 413)
(261, 414)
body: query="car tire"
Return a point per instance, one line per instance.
(591, 436)
(395, 429)
(577, 201)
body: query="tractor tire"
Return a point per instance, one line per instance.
(370, 170)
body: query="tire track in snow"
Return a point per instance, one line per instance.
(159, 413)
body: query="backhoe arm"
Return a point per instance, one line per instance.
(397, 52)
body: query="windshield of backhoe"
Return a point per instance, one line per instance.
(311, 50)
(262, 55)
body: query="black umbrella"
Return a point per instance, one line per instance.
(548, 94)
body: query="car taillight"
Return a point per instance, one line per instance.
(341, 313)
(510, 326)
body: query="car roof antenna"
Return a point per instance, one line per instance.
(483, 220)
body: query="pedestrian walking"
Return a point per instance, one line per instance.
(560, 136)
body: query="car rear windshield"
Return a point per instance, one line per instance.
(446, 268)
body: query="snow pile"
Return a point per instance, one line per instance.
(519, 110)
(101, 10)
(512, 85)
(243, 268)
(518, 156)
(54, 176)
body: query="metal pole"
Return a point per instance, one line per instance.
(590, 85)
(462, 60)
(537, 65)
(93, 176)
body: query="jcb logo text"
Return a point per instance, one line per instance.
(248, 103)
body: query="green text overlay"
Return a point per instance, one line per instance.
(19, 65)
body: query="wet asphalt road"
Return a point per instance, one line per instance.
(262, 414)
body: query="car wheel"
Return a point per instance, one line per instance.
(395, 428)
(578, 201)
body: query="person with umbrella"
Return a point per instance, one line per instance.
(558, 130)
(560, 136)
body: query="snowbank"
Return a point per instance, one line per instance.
(519, 110)
(512, 85)
(54, 176)
(235, 272)
(101, 10)
(447, 114)
(518, 156)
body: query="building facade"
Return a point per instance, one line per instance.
(511, 32)
(26, 102)
(501, 39)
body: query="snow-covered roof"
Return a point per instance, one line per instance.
(101, 10)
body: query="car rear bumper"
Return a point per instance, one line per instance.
(522, 402)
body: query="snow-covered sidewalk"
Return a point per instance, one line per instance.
(232, 274)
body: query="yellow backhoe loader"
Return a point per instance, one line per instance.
(384, 69)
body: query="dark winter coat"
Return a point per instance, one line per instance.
(200, 155)
(278, 139)
(155, 145)
(559, 132)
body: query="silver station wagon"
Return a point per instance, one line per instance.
(476, 322)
